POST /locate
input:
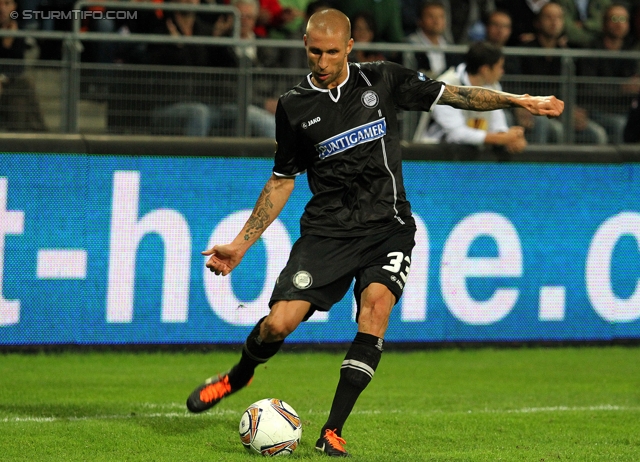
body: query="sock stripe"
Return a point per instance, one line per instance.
(252, 356)
(358, 365)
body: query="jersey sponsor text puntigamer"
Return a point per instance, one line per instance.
(363, 134)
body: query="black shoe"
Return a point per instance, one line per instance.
(331, 444)
(211, 393)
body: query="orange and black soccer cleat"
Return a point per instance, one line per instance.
(331, 444)
(210, 393)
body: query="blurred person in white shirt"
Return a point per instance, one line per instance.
(483, 67)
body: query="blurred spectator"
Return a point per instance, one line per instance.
(607, 104)
(582, 20)
(249, 14)
(32, 23)
(100, 51)
(52, 49)
(19, 105)
(498, 34)
(293, 17)
(467, 19)
(145, 22)
(632, 127)
(483, 66)
(464, 18)
(634, 9)
(523, 15)
(261, 116)
(197, 104)
(181, 107)
(363, 30)
(273, 16)
(549, 34)
(268, 17)
(431, 23)
(411, 10)
(386, 14)
(296, 58)
(549, 27)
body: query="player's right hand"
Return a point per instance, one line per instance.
(222, 259)
(549, 106)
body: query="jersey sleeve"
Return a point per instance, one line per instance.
(287, 159)
(412, 90)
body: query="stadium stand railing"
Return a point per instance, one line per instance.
(79, 97)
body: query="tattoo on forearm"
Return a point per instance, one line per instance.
(260, 217)
(475, 98)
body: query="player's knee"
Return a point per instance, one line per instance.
(378, 298)
(276, 329)
(377, 309)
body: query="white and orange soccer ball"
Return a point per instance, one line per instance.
(270, 427)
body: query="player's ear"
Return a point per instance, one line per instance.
(304, 39)
(349, 45)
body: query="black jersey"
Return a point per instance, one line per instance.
(347, 140)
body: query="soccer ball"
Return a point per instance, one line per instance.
(270, 427)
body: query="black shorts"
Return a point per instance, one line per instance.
(320, 269)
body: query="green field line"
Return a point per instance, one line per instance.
(229, 412)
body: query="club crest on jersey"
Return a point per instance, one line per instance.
(363, 134)
(370, 99)
(422, 77)
(309, 123)
(302, 280)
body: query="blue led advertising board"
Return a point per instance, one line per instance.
(106, 250)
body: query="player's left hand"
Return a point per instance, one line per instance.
(222, 259)
(549, 106)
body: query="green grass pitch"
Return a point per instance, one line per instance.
(528, 404)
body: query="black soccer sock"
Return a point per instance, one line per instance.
(356, 372)
(254, 352)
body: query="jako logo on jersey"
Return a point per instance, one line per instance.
(346, 140)
(306, 125)
(370, 99)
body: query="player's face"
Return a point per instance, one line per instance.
(327, 56)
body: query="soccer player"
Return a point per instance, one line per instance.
(339, 125)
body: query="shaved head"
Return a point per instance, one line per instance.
(328, 42)
(331, 22)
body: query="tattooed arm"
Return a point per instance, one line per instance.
(272, 199)
(485, 99)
